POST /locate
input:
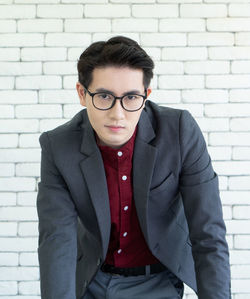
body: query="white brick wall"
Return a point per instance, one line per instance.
(202, 55)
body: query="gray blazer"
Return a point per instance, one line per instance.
(175, 192)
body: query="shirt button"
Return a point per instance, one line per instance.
(119, 154)
(125, 234)
(124, 177)
(119, 251)
(125, 208)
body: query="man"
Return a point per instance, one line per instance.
(128, 202)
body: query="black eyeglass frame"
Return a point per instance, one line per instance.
(92, 94)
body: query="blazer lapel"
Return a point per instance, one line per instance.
(143, 165)
(94, 174)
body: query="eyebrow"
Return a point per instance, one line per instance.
(134, 91)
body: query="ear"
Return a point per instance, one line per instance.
(81, 93)
(149, 90)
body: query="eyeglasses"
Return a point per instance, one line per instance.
(105, 101)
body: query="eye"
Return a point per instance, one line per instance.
(104, 96)
(131, 97)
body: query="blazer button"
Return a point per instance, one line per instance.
(98, 262)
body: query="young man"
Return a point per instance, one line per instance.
(128, 202)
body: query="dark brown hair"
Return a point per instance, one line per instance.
(117, 51)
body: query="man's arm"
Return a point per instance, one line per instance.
(200, 193)
(57, 230)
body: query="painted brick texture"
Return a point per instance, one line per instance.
(202, 57)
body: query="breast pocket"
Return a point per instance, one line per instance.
(168, 184)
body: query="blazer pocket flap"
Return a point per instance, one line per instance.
(165, 185)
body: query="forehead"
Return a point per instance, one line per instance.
(117, 78)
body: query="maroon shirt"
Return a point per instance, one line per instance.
(127, 246)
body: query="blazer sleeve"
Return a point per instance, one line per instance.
(57, 230)
(203, 210)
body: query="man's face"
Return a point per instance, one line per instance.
(115, 126)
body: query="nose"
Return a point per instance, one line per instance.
(117, 112)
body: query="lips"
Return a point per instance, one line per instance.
(115, 128)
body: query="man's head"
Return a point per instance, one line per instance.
(117, 51)
(113, 85)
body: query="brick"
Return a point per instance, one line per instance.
(207, 67)
(28, 169)
(43, 54)
(229, 53)
(153, 52)
(232, 197)
(239, 95)
(165, 96)
(166, 67)
(179, 1)
(232, 167)
(21, 40)
(70, 110)
(181, 25)
(88, 25)
(21, 297)
(242, 286)
(240, 271)
(229, 138)
(205, 96)
(9, 54)
(216, 124)
(17, 184)
(239, 10)
(7, 199)
(38, 111)
(241, 296)
(88, 1)
(28, 229)
(203, 10)
(195, 109)
(18, 214)
(8, 288)
(67, 39)
(7, 25)
(26, 198)
(228, 24)
(18, 245)
(155, 11)
(6, 83)
(229, 240)
(239, 183)
(227, 212)
(181, 82)
(7, 169)
(17, 11)
(8, 140)
(6, 111)
(38, 82)
(196, 53)
(74, 53)
(37, 2)
(49, 124)
(135, 25)
(29, 287)
(242, 242)
(107, 10)
(241, 153)
(211, 39)
(241, 67)
(241, 212)
(19, 273)
(17, 96)
(28, 259)
(8, 259)
(18, 126)
(238, 227)
(20, 68)
(20, 155)
(242, 39)
(228, 81)
(29, 140)
(105, 36)
(227, 110)
(223, 183)
(40, 25)
(59, 11)
(240, 124)
(163, 39)
(69, 82)
(58, 96)
(220, 152)
(62, 68)
(7, 228)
